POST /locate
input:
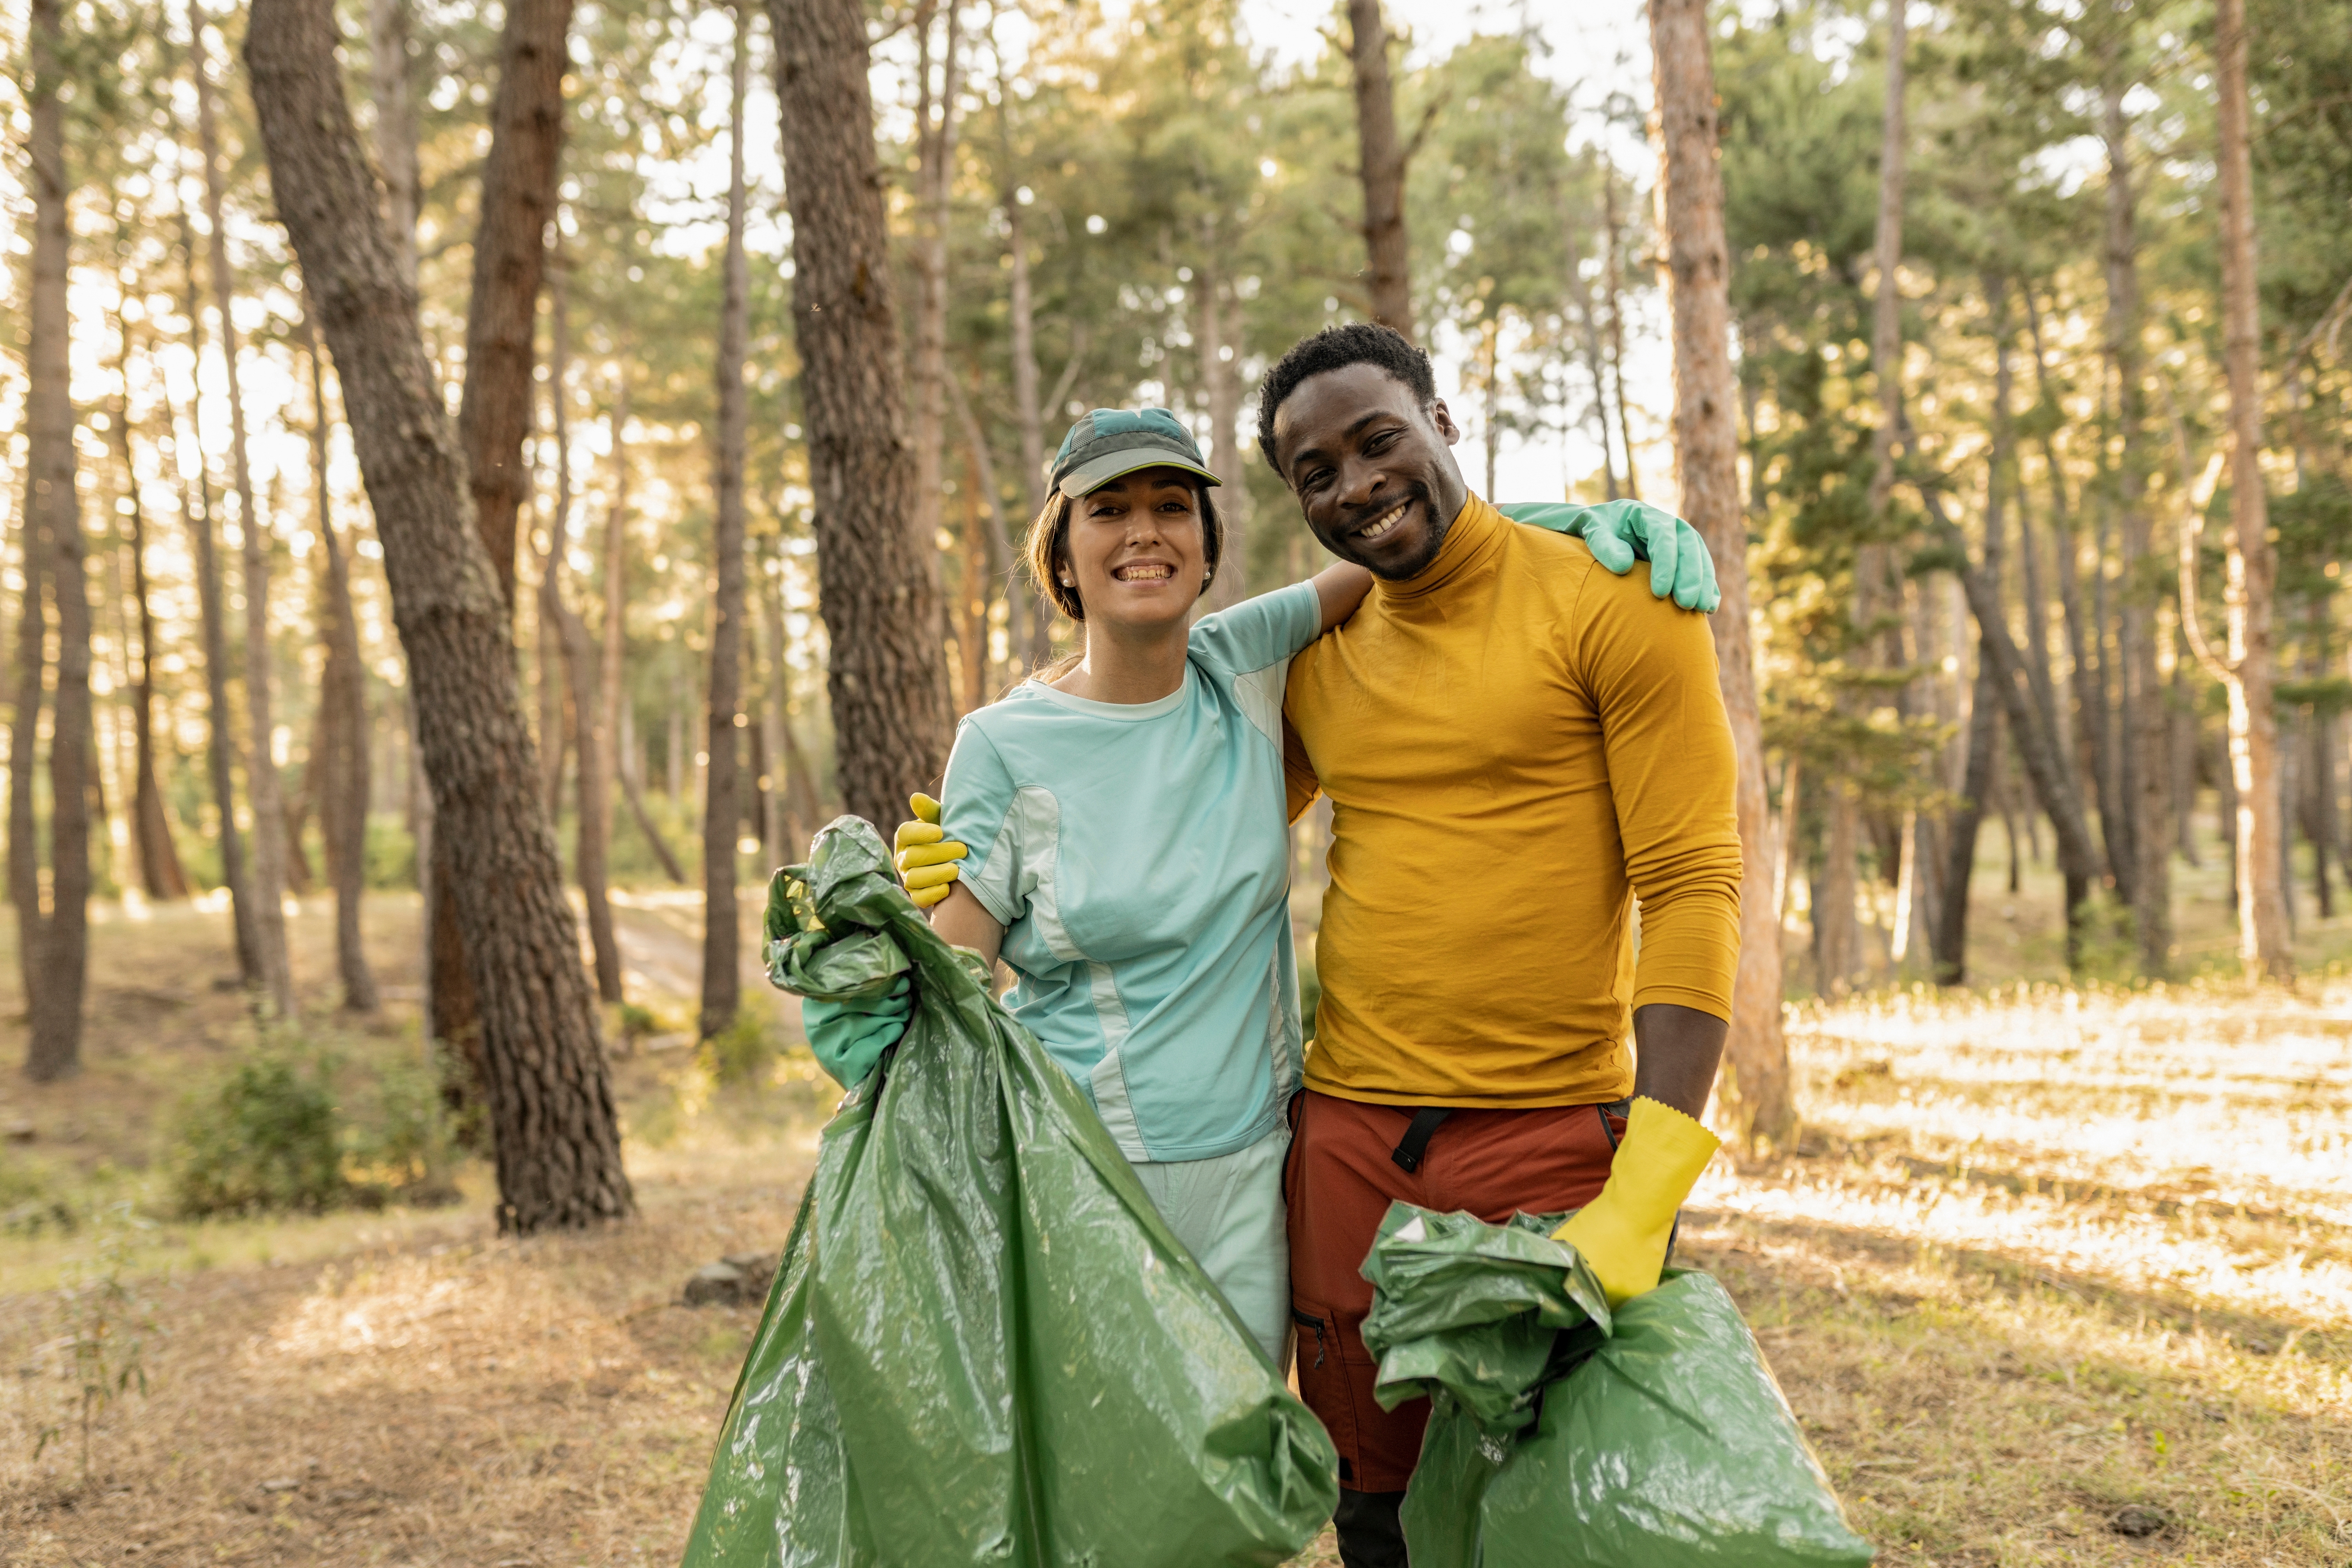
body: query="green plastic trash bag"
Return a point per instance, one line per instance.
(1563, 1434)
(983, 1344)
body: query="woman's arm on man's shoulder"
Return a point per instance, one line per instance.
(1341, 587)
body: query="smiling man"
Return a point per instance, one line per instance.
(1519, 748)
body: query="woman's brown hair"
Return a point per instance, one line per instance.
(1049, 539)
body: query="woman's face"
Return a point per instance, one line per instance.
(1137, 553)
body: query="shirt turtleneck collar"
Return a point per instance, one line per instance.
(1474, 536)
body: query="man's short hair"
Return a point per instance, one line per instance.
(1336, 347)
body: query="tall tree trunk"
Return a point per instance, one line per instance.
(392, 88)
(577, 653)
(53, 946)
(1035, 645)
(339, 768)
(220, 728)
(2146, 774)
(875, 582)
(985, 542)
(614, 642)
(722, 815)
(550, 1101)
(1380, 161)
(494, 410)
(1951, 928)
(161, 874)
(1706, 452)
(261, 783)
(2262, 938)
(935, 178)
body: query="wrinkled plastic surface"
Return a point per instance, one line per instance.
(983, 1344)
(1564, 1435)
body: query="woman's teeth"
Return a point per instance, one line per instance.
(1151, 572)
(1382, 524)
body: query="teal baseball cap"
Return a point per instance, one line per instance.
(1110, 442)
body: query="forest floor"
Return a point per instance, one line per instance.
(2040, 1257)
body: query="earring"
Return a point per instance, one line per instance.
(1069, 583)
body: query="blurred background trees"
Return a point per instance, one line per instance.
(2008, 381)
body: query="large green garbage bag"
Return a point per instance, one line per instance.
(1563, 1434)
(983, 1344)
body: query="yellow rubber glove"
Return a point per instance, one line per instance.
(1624, 1231)
(926, 856)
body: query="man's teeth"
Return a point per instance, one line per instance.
(1386, 521)
(1153, 572)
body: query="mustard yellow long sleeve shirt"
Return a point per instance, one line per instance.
(1518, 745)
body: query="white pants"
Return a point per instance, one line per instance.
(1229, 1213)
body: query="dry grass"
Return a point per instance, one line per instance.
(2041, 1256)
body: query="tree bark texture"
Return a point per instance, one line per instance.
(1706, 452)
(1887, 306)
(393, 88)
(2145, 826)
(339, 768)
(550, 1102)
(1950, 932)
(220, 733)
(161, 874)
(1612, 278)
(262, 790)
(876, 585)
(722, 813)
(53, 944)
(2262, 935)
(1380, 160)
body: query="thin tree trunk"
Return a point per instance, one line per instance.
(1707, 451)
(1837, 928)
(935, 175)
(1784, 837)
(662, 851)
(53, 946)
(875, 586)
(220, 730)
(611, 688)
(2262, 938)
(1031, 640)
(261, 782)
(550, 1101)
(1380, 162)
(722, 815)
(2186, 742)
(160, 871)
(1220, 321)
(591, 828)
(1579, 294)
(986, 563)
(1951, 932)
(1613, 280)
(338, 769)
(494, 411)
(2146, 774)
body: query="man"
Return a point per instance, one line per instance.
(1516, 743)
(1517, 746)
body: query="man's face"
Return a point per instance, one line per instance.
(1373, 470)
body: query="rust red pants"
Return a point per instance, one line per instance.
(1339, 1182)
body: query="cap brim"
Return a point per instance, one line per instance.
(1091, 477)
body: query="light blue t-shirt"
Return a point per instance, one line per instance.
(1139, 859)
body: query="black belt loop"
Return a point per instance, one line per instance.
(1415, 1142)
(1621, 1107)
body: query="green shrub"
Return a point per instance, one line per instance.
(407, 1141)
(390, 858)
(742, 1053)
(268, 1138)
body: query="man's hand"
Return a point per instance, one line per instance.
(926, 856)
(1620, 532)
(1623, 1232)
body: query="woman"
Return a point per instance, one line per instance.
(1128, 857)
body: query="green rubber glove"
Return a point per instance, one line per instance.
(1620, 532)
(849, 1038)
(1623, 1232)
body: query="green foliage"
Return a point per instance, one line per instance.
(743, 1054)
(407, 1141)
(391, 853)
(104, 1326)
(268, 1138)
